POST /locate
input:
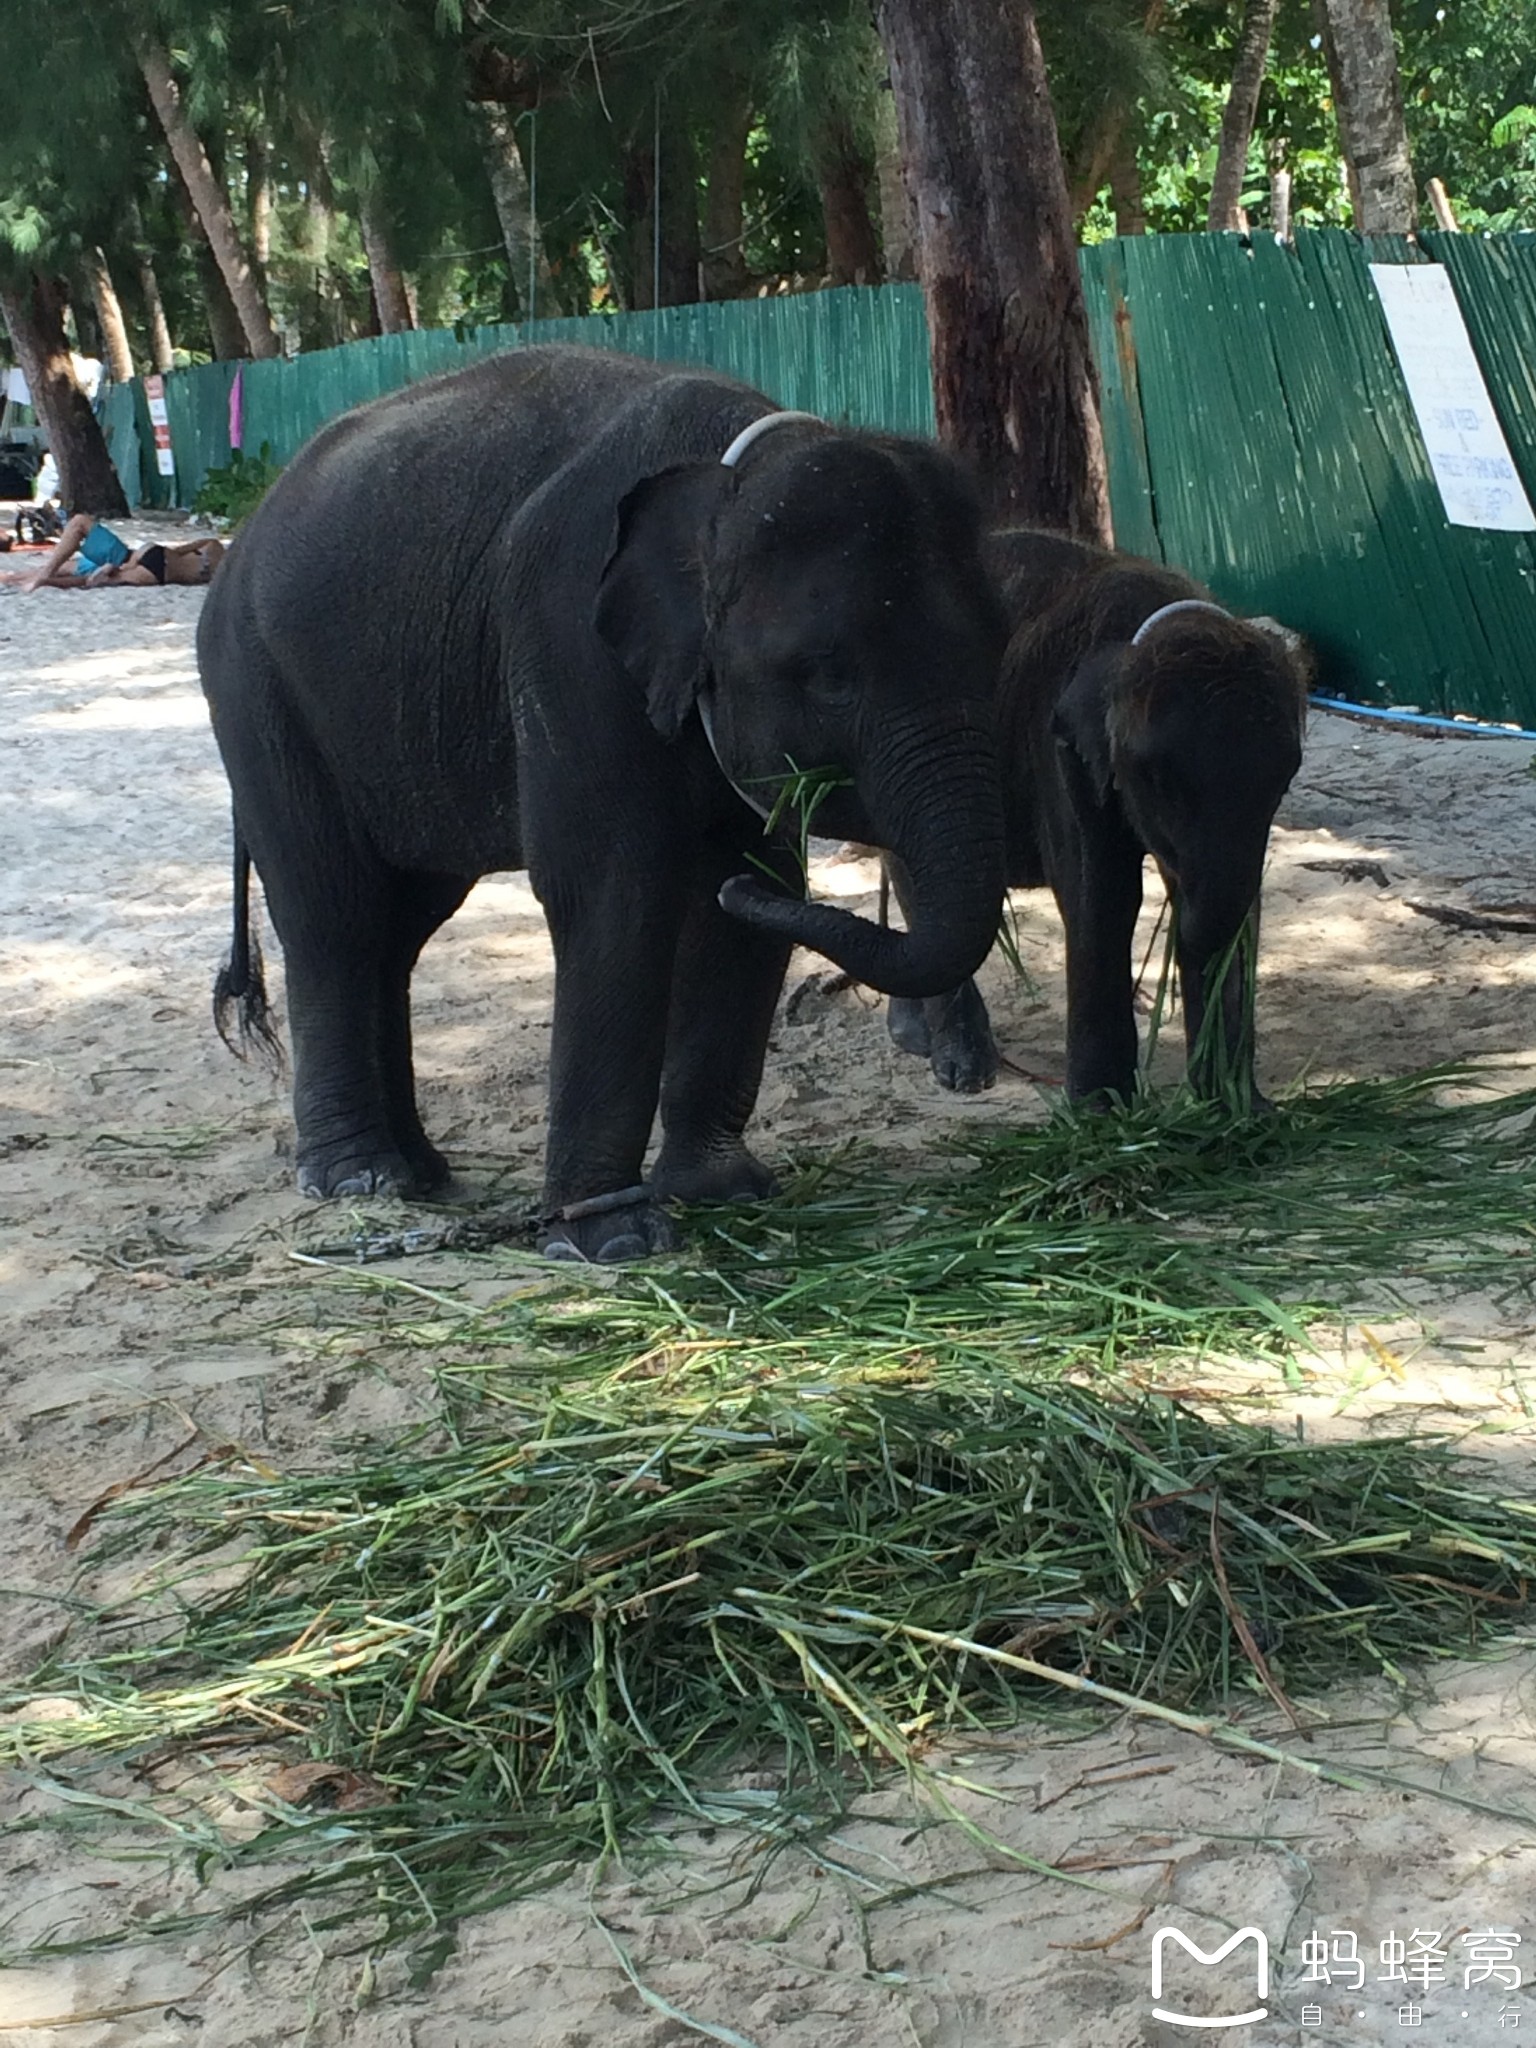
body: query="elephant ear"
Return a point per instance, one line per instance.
(1081, 720)
(651, 596)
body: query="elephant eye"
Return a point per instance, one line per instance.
(804, 664)
(831, 682)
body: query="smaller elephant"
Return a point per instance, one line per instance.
(1135, 716)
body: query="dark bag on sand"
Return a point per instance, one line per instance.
(38, 523)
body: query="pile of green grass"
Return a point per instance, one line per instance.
(865, 1466)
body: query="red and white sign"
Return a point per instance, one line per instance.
(154, 391)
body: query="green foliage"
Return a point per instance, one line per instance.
(1101, 56)
(800, 796)
(370, 99)
(1468, 72)
(1469, 77)
(1177, 130)
(233, 493)
(1515, 128)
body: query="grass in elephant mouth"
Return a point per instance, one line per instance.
(870, 1465)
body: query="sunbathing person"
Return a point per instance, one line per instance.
(88, 545)
(90, 556)
(182, 561)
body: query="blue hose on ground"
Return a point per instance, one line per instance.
(1466, 728)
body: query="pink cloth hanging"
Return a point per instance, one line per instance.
(237, 408)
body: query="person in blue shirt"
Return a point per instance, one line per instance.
(87, 544)
(102, 559)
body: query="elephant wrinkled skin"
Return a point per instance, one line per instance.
(523, 616)
(1135, 716)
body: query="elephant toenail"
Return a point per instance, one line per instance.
(618, 1249)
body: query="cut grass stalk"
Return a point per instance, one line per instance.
(866, 1471)
(500, 1633)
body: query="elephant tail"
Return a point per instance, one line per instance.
(241, 983)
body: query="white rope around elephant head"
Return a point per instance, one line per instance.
(1180, 604)
(748, 435)
(729, 460)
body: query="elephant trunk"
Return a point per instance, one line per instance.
(1218, 1020)
(936, 805)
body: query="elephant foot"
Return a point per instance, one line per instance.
(908, 1026)
(961, 1049)
(427, 1164)
(608, 1230)
(952, 1032)
(324, 1176)
(728, 1175)
(1246, 1102)
(962, 1064)
(1103, 1099)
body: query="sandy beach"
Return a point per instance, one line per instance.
(136, 1156)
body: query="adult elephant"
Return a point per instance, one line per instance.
(574, 612)
(1136, 716)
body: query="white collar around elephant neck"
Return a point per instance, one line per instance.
(708, 724)
(1180, 604)
(748, 435)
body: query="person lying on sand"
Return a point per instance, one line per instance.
(182, 561)
(103, 559)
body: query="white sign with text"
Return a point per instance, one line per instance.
(1479, 484)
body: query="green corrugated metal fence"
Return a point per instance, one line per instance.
(1257, 430)
(1284, 464)
(854, 356)
(858, 356)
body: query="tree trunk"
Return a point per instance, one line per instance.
(514, 208)
(210, 200)
(1125, 191)
(723, 261)
(161, 348)
(319, 227)
(1440, 206)
(1102, 147)
(225, 334)
(109, 316)
(1368, 98)
(664, 261)
(33, 308)
(328, 325)
(1279, 192)
(162, 352)
(642, 282)
(389, 291)
(681, 254)
(1014, 385)
(258, 180)
(843, 177)
(1089, 170)
(1248, 68)
(898, 229)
